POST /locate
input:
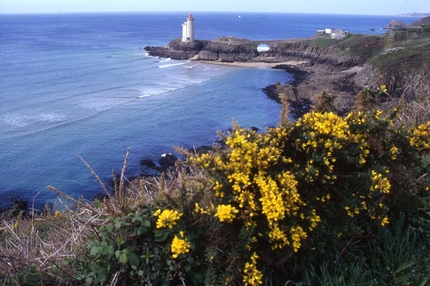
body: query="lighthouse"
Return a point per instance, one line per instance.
(188, 29)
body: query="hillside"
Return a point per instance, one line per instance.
(399, 59)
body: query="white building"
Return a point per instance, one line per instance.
(338, 34)
(188, 29)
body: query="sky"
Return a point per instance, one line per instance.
(363, 7)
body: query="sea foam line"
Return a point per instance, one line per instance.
(171, 65)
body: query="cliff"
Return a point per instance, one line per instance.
(228, 49)
(398, 59)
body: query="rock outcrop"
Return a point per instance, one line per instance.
(243, 50)
(17, 210)
(394, 24)
(319, 64)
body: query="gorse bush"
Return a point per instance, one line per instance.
(312, 188)
(275, 207)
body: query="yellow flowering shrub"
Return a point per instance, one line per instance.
(167, 218)
(322, 169)
(251, 275)
(226, 213)
(263, 201)
(180, 245)
(420, 137)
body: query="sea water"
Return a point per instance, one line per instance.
(82, 84)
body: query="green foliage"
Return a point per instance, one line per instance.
(394, 257)
(128, 249)
(324, 42)
(362, 46)
(413, 57)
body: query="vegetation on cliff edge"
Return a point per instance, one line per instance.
(325, 200)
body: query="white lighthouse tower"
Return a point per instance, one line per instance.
(188, 29)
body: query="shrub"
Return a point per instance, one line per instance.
(267, 207)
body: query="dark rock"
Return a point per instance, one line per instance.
(167, 160)
(100, 197)
(149, 163)
(19, 209)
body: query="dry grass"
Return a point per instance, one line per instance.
(41, 248)
(415, 112)
(44, 243)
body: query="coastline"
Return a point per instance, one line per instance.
(254, 64)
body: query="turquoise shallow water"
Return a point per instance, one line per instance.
(82, 84)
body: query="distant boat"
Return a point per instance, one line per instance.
(239, 16)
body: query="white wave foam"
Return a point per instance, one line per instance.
(189, 67)
(165, 60)
(104, 103)
(24, 120)
(172, 65)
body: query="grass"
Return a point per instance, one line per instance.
(323, 42)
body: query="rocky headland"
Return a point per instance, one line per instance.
(398, 59)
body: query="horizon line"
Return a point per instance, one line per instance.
(187, 11)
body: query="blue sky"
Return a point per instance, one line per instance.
(369, 7)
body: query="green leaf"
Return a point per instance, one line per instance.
(109, 250)
(134, 259)
(117, 224)
(160, 235)
(117, 253)
(146, 223)
(123, 258)
(96, 250)
(141, 230)
(120, 240)
(187, 267)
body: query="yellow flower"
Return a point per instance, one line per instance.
(167, 218)
(277, 238)
(226, 213)
(297, 235)
(251, 275)
(421, 137)
(379, 183)
(180, 245)
(394, 151)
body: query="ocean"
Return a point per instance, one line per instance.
(82, 84)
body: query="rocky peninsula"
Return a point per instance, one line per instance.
(398, 59)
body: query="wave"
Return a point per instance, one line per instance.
(172, 65)
(165, 60)
(189, 67)
(25, 120)
(157, 91)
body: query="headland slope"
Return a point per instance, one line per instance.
(398, 59)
